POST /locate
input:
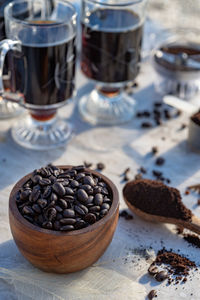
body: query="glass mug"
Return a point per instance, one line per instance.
(42, 66)
(112, 34)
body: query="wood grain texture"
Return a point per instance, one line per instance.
(60, 252)
(193, 225)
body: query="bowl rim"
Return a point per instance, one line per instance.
(112, 211)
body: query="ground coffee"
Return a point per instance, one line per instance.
(64, 200)
(192, 239)
(153, 197)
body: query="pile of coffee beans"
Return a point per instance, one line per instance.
(64, 200)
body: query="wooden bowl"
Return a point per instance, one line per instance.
(63, 252)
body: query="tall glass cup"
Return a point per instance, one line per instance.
(111, 48)
(41, 45)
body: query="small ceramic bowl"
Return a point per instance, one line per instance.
(63, 252)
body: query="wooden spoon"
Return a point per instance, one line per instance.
(193, 225)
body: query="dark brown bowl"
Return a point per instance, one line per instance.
(63, 252)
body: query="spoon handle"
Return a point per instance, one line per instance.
(194, 225)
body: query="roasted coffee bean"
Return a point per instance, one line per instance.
(80, 168)
(105, 206)
(88, 180)
(107, 200)
(36, 179)
(102, 184)
(79, 210)
(94, 209)
(34, 196)
(100, 166)
(51, 213)
(90, 218)
(45, 172)
(90, 199)
(153, 270)
(67, 228)
(103, 212)
(72, 173)
(74, 184)
(65, 183)
(36, 208)
(82, 196)
(80, 176)
(56, 173)
(58, 208)
(63, 203)
(90, 205)
(98, 199)
(97, 189)
(52, 178)
(67, 221)
(56, 225)
(47, 225)
(68, 213)
(42, 203)
(105, 191)
(25, 195)
(27, 210)
(59, 189)
(83, 207)
(47, 192)
(44, 181)
(28, 184)
(80, 224)
(52, 203)
(152, 294)
(28, 218)
(69, 191)
(69, 198)
(160, 161)
(59, 216)
(87, 188)
(161, 276)
(54, 197)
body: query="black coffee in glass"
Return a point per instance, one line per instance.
(111, 45)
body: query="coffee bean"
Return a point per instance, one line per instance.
(72, 173)
(36, 208)
(68, 213)
(107, 200)
(102, 184)
(36, 179)
(69, 191)
(161, 276)
(67, 228)
(79, 210)
(58, 208)
(80, 224)
(82, 196)
(100, 166)
(153, 270)
(42, 203)
(25, 195)
(90, 199)
(104, 191)
(63, 203)
(88, 180)
(74, 183)
(152, 294)
(47, 225)
(60, 180)
(80, 176)
(47, 192)
(27, 210)
(67, 221)
(94, 208)
(34, 196)
(52, 178)
(56, 225)
(80, 168)
(160, 161)
(51, 213)
(83, 207)
(105, 206)
(103, 212)
(97, 189)
(54, 197)
(59, 189)
(90, 218)
(28, 184)
(98, 199)
(28, 218)
(44, 181)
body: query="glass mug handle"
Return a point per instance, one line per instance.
(5, 46)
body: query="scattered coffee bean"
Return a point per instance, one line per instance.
(146, 125)
(160, 161)
(100, 166)
(154, 150)
(152, 294)
(161, 276)
(153, 270)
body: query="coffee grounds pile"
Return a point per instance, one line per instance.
(196, 118)
(64, 200)
(176, 265)
(153, 197)
(192, 239)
